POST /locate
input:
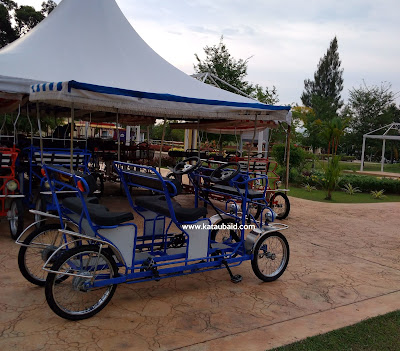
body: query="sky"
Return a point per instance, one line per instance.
(283, 39)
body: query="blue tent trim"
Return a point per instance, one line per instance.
(168, 97)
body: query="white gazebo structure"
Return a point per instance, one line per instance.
(385, 136)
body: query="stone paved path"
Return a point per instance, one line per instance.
(344, 267)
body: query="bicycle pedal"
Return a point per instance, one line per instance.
(236, 278)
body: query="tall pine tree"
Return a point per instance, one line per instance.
(323, 93)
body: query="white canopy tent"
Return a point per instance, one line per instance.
(85, 55)
(99, 62)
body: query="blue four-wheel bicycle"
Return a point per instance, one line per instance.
(107, 248)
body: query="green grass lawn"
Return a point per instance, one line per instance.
(368, 166)
(339, 196)
(375, 334)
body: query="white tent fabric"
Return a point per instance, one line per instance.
(92, 42)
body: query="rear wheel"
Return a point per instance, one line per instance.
(16, 218)
(225, 235)
(280, 204)
(270, 256)
(41, 244)
(73, 298)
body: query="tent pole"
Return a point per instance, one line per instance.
(162, 144)
(260, 143)
(198, 137)
(383, 154)
(87, 124)
(118, 137)
(30, 123)
(15, 124)
(40, 132)
(287, 156)
(148, 134)
(137, 130)
(72, 138)
(251, 145)
(266, 143)
(362, 154)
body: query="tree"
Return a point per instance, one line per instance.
(27, 18)
(370, 108)
(332, 131)
(24, 17)
(7, 32)
(220, 62)
(170, 134)
(323, 93)
(265, 95)
(47, 7)
(312, 126)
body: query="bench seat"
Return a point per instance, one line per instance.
(159, 205)
(99, 214)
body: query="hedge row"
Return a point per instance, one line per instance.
(368, 184)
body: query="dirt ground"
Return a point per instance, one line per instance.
(344, 267)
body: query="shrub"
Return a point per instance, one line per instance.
(350, 189)
(332, 176)
(309, 187)
(297, 155)
(367, 183)
(378, 194)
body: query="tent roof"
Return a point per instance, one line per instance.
(92, 42)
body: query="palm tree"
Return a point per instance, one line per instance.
(332, 132)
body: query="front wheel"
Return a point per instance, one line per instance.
(16, 218)
(74, 298)
(270, 256)
(280, 204)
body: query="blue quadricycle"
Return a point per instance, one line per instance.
(107, 249)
